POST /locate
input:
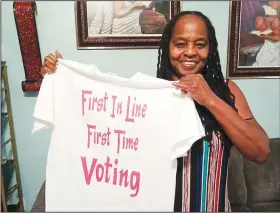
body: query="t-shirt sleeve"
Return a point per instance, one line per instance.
(43, 114)
(188, 126)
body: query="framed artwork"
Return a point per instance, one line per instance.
(254, 39)
(122, 24)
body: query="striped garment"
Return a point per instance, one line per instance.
(127, 24)
(202, 178)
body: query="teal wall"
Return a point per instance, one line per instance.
(56, 29)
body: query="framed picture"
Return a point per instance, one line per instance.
(122, 24)
(254, 39)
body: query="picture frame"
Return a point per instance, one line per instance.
(252, 53)
(122, 32)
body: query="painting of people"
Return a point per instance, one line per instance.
(116, 21)
(255, 38)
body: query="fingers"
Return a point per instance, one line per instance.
(192, 77)
(189, 79)
(54, 58)
(49, 65)
(58, 55)
(50, 61)
(45, 70)
(182, 87)
(189, 83)
(192, 80)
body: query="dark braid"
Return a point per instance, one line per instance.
(212, 73)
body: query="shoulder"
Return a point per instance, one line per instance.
(240, 101)
(234, 88)
(236, 91)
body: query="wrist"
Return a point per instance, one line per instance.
(212, 102)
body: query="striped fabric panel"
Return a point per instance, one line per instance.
(205, 178)
(223, 180)
(227, 203)
(108, 17)
(186, 183)
(96, 24)
(102, 20)
(128, 24)
(212, 172)
(196, 176)
(218, 178)
(205, 167)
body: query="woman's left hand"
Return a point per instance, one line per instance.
(197, 87)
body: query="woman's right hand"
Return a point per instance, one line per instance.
(50, 61)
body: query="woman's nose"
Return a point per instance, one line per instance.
(190, 51)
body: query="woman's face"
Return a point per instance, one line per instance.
(189, 45)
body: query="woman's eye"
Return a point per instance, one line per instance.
(180, 45)
(200, 45)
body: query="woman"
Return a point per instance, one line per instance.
(189, 53)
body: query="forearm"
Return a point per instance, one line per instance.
(248, 137)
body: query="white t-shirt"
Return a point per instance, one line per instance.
(114, 140)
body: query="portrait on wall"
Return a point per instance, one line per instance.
(254, 39)
(122, 24)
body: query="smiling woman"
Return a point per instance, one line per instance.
(188, 53)
(189, 46)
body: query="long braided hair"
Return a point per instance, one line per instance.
(212, 73)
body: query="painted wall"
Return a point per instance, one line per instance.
(56, 29)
